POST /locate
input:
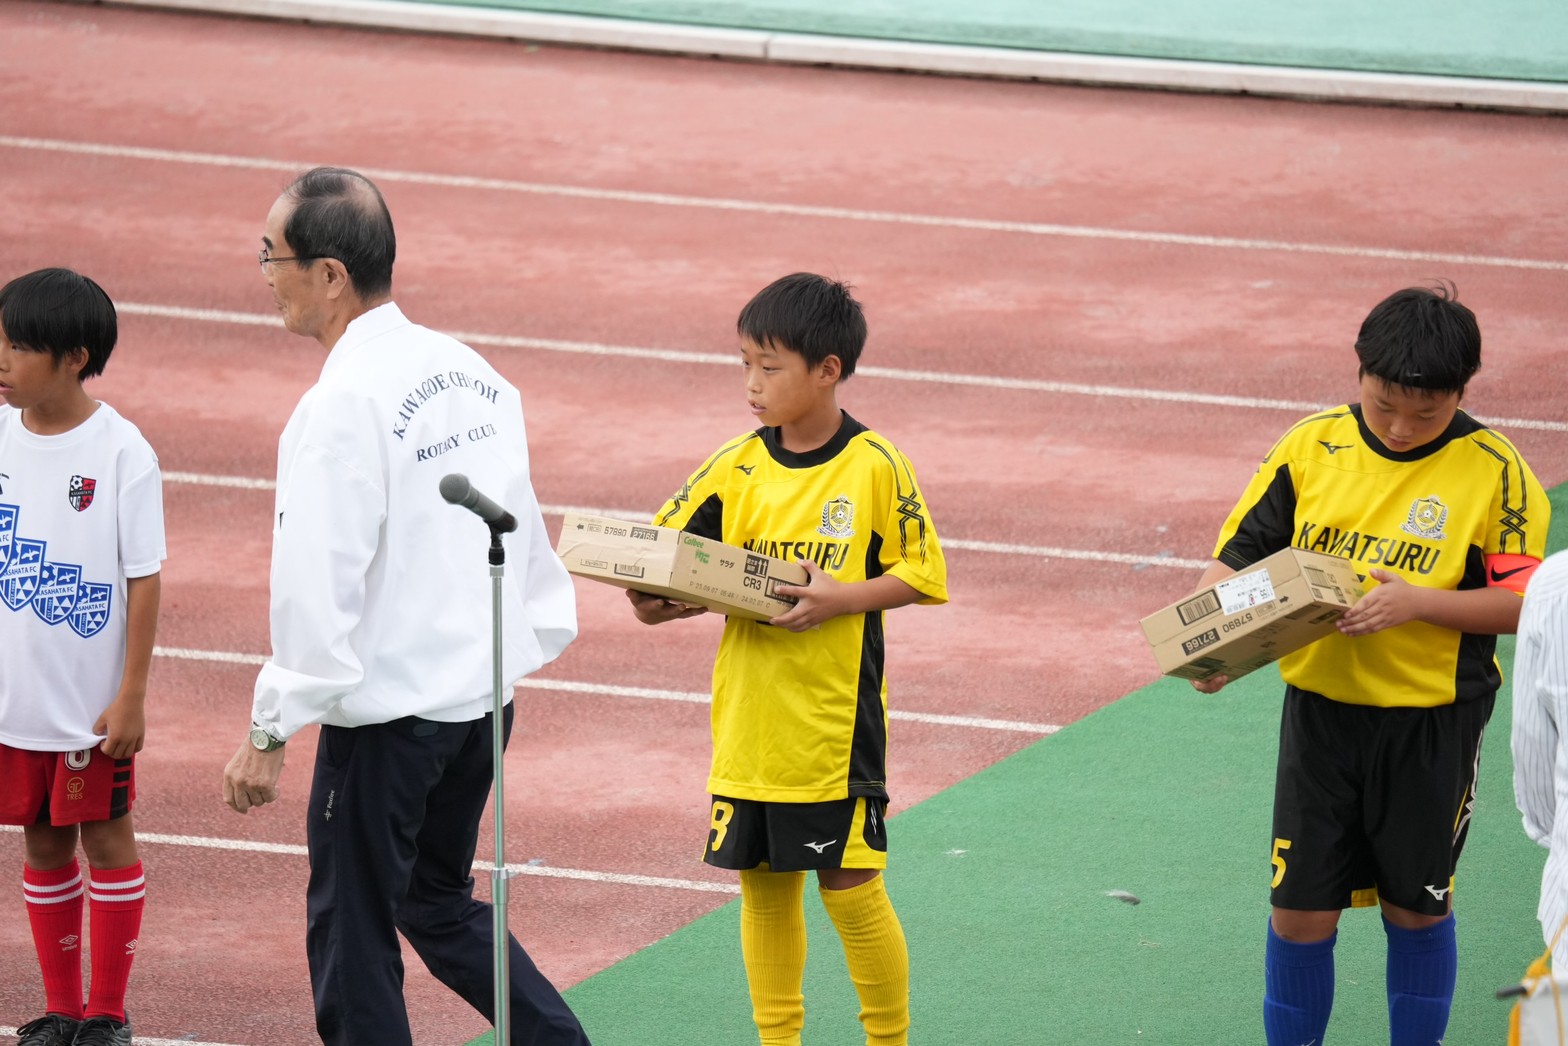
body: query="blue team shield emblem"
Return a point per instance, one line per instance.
(91, 611)
(19, 579)
(57, 592)
(7, 533)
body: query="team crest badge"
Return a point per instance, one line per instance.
(57, 591)
(81, 492)
(1426, 519)
(91, 611)
(838, 518)
(7, 533)
(19, 579)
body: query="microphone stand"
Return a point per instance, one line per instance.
(500, 873)
(457, 490)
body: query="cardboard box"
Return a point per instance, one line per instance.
(677, 565)
(1255, 616)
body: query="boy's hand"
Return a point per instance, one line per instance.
(821, 599)
(655, 610)
(1211, 685)
(125, 723)
(1393, 602)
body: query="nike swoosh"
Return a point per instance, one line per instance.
(1506, 574)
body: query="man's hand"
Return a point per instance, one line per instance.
(251, 778)
(655, 610)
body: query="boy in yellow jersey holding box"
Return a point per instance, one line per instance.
(800, 703)
(1381, 735)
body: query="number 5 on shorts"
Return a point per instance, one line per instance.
(1277, 861)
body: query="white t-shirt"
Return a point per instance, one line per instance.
(79, 513)
(381, 594)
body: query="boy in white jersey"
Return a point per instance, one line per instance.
(1381, 733)
(81, 544)
(800, 703)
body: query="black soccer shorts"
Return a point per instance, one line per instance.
(794, 837)
(1372, 802)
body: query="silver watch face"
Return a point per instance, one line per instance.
(261, 740)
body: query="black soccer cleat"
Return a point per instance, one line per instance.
(103, 1031)
(49, 1030)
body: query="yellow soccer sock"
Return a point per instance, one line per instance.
(773, 945)
(877, 956)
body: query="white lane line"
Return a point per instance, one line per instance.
(796, 210)
(1159, 559)
(142, 1040)
(988, 381)
(541, 871)
(694, 697)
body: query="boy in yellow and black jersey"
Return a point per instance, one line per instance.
(800, 703)
(1381, 733)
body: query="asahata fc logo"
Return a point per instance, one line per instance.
(81, 492)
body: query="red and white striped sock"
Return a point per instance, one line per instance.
(54, 910)
(116, 897)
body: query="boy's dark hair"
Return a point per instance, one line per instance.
(810, 315)
(1421, 338)
(339, 213)
(58, 311)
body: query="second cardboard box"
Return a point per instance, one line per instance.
(1253, 617)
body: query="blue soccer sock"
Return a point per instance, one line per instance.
(1298, 990)
(1422, 967)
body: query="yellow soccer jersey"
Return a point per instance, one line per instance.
(1432, 515)
(802, 717)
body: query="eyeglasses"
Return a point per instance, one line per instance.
(264, 258)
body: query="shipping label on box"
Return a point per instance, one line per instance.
(676, 565)
(1253, 617)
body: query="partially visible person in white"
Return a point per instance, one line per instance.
(1540, 745)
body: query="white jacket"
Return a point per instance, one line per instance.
(1540, 738)
(381, 591)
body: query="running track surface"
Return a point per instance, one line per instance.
(1091, 312)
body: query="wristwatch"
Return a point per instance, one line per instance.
(262, 741)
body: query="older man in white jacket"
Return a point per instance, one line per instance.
(1540, 740)
(381, 627)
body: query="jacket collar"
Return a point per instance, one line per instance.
(362, 330)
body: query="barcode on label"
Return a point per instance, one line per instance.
(1198, 607)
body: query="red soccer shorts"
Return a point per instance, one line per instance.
(60, 788)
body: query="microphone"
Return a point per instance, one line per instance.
(456, 489)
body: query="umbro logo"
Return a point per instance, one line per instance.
(746, 468)
(819, 847)
(1332, 447)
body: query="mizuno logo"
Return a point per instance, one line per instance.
(1332, 447)
(819, 847)
(1439, 894)
(1504, 575)
(746, 468)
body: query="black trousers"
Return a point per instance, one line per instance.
(394, 820)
